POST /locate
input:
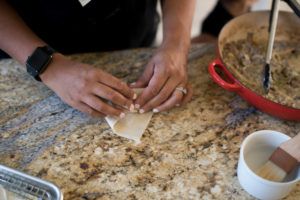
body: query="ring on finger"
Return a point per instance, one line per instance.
(183, 90)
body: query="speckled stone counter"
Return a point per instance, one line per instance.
(188, 152)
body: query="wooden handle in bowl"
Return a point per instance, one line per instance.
(292, 147)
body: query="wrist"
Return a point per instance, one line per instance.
(178, 44)
(39, 60)
(174, 51)
(50, 72)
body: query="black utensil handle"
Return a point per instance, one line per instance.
(271, 15)
(294, 5)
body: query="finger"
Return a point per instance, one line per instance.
(174, 99)
(88, 110)
(155, 85)
(116, 84)
(188, 96)
(163, 95)
(145, 78)
(102, 107)
(107, 93)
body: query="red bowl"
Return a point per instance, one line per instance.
(232, 84)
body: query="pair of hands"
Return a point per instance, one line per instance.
(88, 89)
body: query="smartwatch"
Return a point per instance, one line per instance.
(38, 61)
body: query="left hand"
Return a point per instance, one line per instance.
(165, 71)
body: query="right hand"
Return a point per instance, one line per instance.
(84, 87)
(237, 7)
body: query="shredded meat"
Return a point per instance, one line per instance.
(245, 59)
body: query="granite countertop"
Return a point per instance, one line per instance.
(188, 152)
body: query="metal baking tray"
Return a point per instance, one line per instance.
(28, 187)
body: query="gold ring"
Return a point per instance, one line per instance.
(181, 89)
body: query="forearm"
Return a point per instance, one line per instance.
(16, 39)
(177, 22)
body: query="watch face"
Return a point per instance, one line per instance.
(39, 59)
(37, 62)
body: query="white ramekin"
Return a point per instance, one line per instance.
(255, 151)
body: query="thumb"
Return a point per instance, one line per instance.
(145, 78)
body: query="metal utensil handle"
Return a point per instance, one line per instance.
(273, 24)
(295, 6)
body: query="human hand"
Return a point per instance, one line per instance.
(86, 88)
(165, 71)
(237, 7)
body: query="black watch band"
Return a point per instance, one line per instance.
(38, 61)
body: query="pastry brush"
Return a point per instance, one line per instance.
(282, 161)
(272, 29)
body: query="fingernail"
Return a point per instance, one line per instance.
(177, 105)
(126, 107)
(141, 111)
(133, 83)
(122, 115)
(137, 106)
(134, 96)
(131, 107)
(155, 110)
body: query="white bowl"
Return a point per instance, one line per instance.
(255, 151)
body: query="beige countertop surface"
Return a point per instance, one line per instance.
(188, 152)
